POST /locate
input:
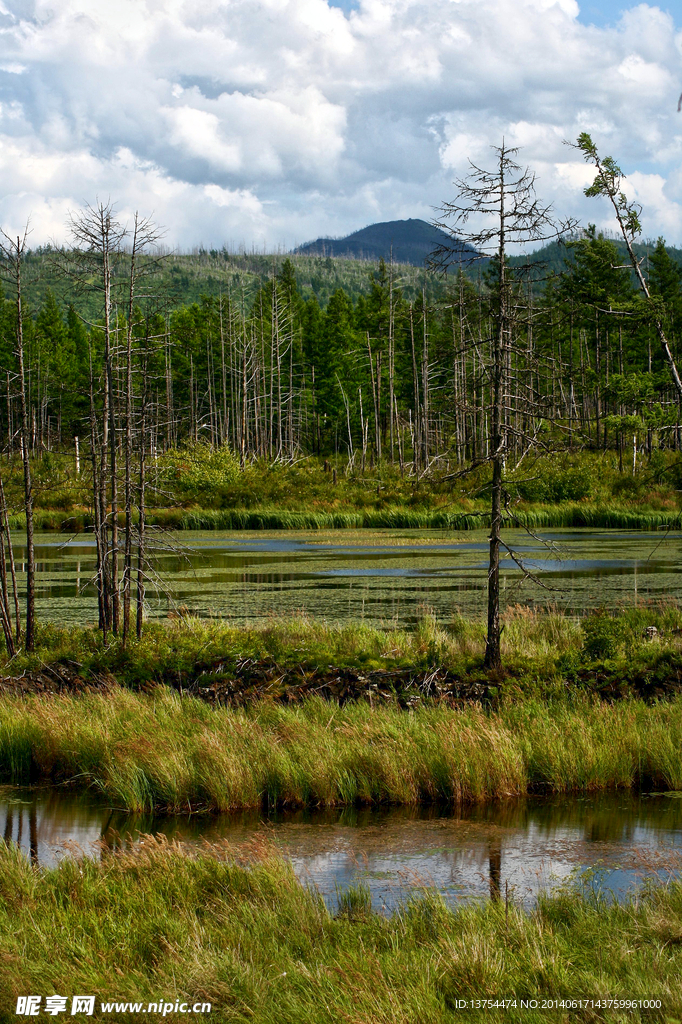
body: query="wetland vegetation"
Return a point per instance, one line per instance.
(200, 715)
(490, 400)
(196, 488)
(235, 928)
(208, 409)
(159, 751)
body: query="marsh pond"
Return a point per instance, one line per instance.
(516, 849)
(375, 576)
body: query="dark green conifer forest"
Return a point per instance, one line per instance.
(391, 363)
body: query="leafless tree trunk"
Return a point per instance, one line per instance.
(12, 566)
(425, 385)
(144, 235)
(416, 446)
(12, 252)
(141, 552)
(375, 399)
(97, 511)
(506, 195)
(98, 239)
(5, 612)
(391, 357)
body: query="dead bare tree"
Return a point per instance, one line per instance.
(6, 555)
(141, 502)
(12, 253)
(98, 240)
(507, 212)
(145, 234)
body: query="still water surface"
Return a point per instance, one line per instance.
(518, 847)
(376, 576)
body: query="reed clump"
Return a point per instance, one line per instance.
(234, 928)
(169, 752)
(469, 516)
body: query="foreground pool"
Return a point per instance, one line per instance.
(510, 850)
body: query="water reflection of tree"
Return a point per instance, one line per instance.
(9, 824)
(495, 868)
(598, 818)
(19, 811)
(33, 832)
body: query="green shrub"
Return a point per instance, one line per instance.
(628, 486)
(200, 473)
(603, 636)
(55, 498)
(554, 485)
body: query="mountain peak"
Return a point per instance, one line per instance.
(407, 241)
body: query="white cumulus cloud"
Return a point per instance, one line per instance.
(270, 121)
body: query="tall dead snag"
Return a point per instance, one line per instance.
(5, 610)
(141, 503)
(503, 202)
(97, 245)
(391, 358)
(425, 383)
(144, 235)
(12, 566)
(96, 492)
(607, 183)
(12, 252)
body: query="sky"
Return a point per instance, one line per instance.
(266, 123)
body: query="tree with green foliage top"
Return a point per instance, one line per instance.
(55, 352)
(665, 281)
(608, 183)
(337, 338)
(599, 296)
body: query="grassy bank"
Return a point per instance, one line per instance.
(200, 488)
(259, 947)
(567, 514)
(160, 750)
(422, 720)
(545, 654)
(474, 517)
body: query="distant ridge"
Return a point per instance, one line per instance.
(411, 241)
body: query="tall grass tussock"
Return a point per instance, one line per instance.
(167, 752)
(143, 743)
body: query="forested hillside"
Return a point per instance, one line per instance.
(280, 355)
(180, 280)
